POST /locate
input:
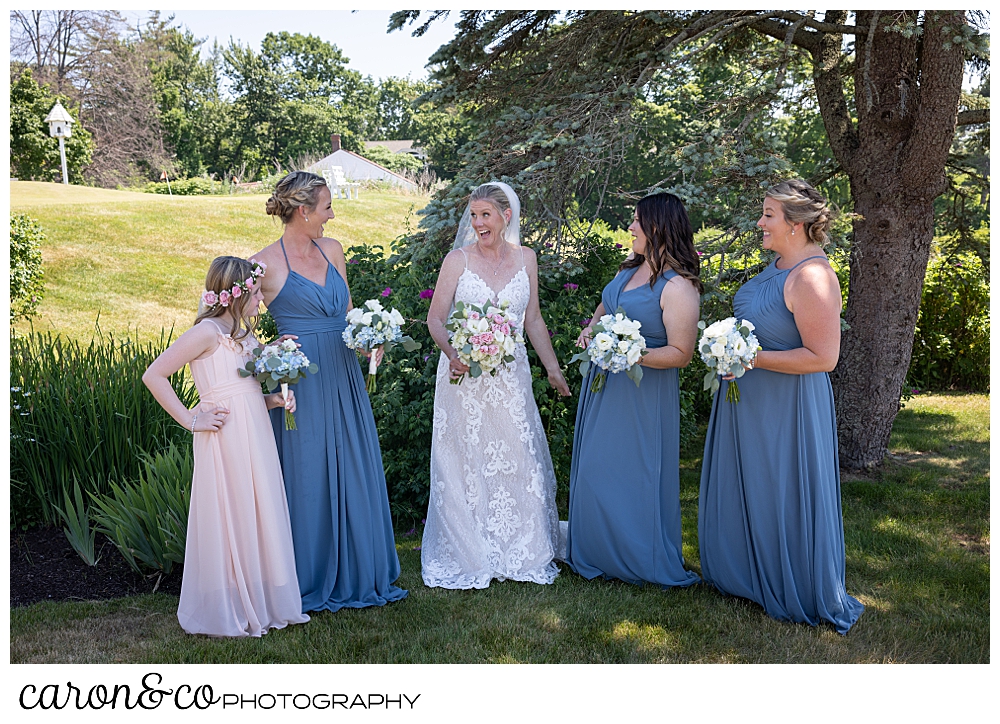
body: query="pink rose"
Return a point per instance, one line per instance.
(498, 319)
(488, 337)
(473, 315)
(224, 298)
(237, 291)
(493, 349)
(249, 283)
(210, 299)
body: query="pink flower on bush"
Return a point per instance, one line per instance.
(618, 246)
(571, 286)
(353, 261)
(210, 299)
(427, 294)
(585, 322)
(224, 298)
(387, 291)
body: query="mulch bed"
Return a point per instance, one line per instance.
(44, 567)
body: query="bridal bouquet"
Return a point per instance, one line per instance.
(371, 326)
(279, 365)
(725, 348)
(616, 347)
(484, 336)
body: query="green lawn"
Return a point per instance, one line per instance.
(917, 538)
(139, 260)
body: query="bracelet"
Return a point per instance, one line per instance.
(194, 421)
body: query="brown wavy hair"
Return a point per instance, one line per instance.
(223, 273)
(669, 239)
(299, 188)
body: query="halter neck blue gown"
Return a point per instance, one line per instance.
(770, 527)
(624, 483)
(345, 551)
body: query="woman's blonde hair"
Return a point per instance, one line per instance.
(299, 188)
(802, 204)
(223, 273)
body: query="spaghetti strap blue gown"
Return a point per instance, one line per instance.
(345, 551)
(770, 527)
(624, 484)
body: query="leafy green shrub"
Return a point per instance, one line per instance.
(26, 273)
(198, 186)
(77, 526)
(147, 519)
(951, 346)
(81, 412)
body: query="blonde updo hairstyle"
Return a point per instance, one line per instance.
(223, 273)
(495, 196)
(299, 188)
(802, 204)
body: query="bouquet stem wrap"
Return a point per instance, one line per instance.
(289, 417)
(372, 369)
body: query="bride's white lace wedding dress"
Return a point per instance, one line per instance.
(492, 511)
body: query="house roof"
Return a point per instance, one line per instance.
(394, 146)
(322, 163)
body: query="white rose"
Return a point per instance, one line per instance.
(396, 317)
(740, 347)
(748, 324)
(623, 347)
(720, 328)
(719, 350)
(603, 342)
(633, 355)
(374, 305)
(366, 318)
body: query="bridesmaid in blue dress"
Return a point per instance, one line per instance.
(769, 523)
(345, 552)
(624, 485)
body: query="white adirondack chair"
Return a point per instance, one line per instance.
(339, 184)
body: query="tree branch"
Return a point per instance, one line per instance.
(802, 37)
(835, 28)
(979, 115)
(830, 94)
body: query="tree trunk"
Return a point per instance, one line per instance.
(906, 97)
(888, 260)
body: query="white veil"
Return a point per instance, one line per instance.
(467, 235)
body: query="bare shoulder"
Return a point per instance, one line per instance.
(454, 259)
(679, 287)
(266, 254)
(816, 274)
(331, 246)
(530, 257)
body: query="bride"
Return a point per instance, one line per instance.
(492, 511)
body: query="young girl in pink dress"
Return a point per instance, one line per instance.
(239, 568)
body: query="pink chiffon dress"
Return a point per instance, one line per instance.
(239, 566)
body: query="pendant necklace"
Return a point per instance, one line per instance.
(503, 256)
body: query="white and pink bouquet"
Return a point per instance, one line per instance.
(725, 347)
(616, 347)
(371, 326)
(279, 365)
(484, 337)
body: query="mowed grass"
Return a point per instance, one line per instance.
(917, 535)
(139, 260)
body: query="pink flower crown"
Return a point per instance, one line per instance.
(210, 299)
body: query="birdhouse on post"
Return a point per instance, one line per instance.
(60, 121)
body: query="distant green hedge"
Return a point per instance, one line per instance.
(26, 273)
